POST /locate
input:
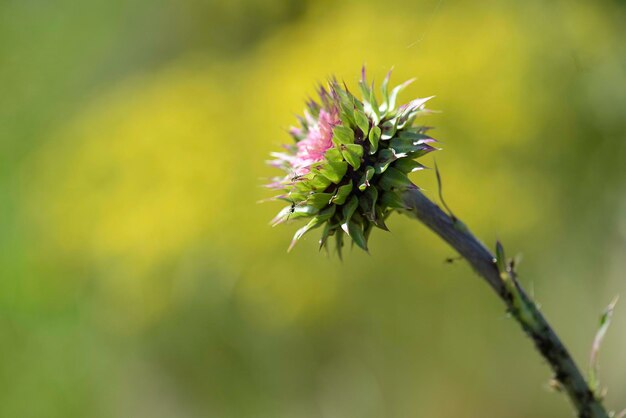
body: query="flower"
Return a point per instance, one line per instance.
(350, 161)
(318, 140)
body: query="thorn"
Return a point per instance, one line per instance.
(603, 393)
(388, 76)
(555, 385)
(605, 322)
(440, 189)
(500, 257)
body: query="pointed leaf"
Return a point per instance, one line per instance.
(385, 90)
(406, 145)
(391, 199)
(333, 155)
(348, 209)
(356, 233)
(303, 211)
(365, 91)
(365, 179)
(394, 179)
(319, 182)
(346, 106)
(374, 137)
(303, 187)
(343, 135)
(406, 165)
(346, 116)
(417, 137)
(317, 221)
(379, 220)
(347, 212)
(342, 194)
(385, 157)
(327, 213)
(300, 233)
(334, 171)
(367, 229)
(367, 202)
(394, 93)
(389, 128)
(329, 229)
(339, 244)
(293, 212)
(362, 121)
(319, 200)
(375, 111)
(416, 104)
(282, 216)
(352, 154)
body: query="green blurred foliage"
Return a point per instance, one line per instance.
(140, 276)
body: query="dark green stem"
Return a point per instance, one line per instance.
(519, 304)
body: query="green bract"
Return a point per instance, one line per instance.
(350, 161)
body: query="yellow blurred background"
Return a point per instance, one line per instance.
(140, 277)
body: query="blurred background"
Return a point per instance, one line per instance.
(140, 278)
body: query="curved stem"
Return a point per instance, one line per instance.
(503, 280)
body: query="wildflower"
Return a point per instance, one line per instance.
(350, 160)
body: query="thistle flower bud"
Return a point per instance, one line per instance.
(350, 160)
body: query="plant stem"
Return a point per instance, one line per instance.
(519, 304)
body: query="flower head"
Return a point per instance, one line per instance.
(350, 161)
